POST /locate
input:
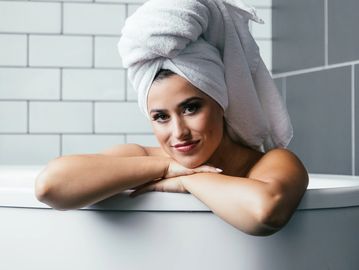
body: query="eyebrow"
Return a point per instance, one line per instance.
(181, 104)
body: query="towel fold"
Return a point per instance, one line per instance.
(208, 42)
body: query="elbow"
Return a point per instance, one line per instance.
(41, 187)
(45, 187)
(271, 219)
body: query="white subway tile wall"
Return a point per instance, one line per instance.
(30, 17)
(29, 83)
(63, 88)
(93, 19)
(13, 50)
(113, 117)
(93, 84)
(60, 51)
(87, 144)
(106, 54)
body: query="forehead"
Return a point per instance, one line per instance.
(171, 90)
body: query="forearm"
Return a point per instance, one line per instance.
(242, 202)
(75, 181)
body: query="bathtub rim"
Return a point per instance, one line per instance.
(315, 198)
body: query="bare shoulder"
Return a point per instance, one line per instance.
(125, 150)
(132, 149)
(156, 151)
(280, 165)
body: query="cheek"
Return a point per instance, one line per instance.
(161, 134)
(212, 123)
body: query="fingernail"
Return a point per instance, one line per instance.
(219, 170)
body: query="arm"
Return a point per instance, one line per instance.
(74, 181)
(260, 204)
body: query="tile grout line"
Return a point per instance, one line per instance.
(314, 69)
(353, 116)
(326, 33)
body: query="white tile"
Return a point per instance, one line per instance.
(64, 117)
(87, 144)
(132, 9)
(64, 0)
(263, 30)
(106, 52)
(93, 84)
(94, 18)
(122, 1)
(13, 116)
(60, 51)
(144, 140)
(120, 117)
(13, 50)
(29, 83)
(265, 48)
(28, 149)
(30, 17)
(131, 93)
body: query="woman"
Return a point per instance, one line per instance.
(257, 193)
(204, 149)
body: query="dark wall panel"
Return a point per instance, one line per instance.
(343, 32)
(319, 104)
(298, 34)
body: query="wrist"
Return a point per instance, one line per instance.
(165, 166)
(187, 179)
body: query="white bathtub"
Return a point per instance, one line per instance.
(173, 231)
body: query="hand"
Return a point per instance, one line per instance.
(172, 180)
(176, 169)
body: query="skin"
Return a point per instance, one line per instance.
(256, 193)
(200, 118)
(272, 184)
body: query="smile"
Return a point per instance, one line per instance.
(186, 147)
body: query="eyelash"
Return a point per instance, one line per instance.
(195, 105)
(157, 116)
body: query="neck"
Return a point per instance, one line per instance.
(230, 156)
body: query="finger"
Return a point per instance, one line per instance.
(142, 190)
(206, 168)
(137, 192)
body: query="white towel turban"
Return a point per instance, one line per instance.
(208, 42)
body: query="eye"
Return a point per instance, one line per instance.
(191, 107)
(160, 117)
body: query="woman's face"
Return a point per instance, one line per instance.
(182, 114)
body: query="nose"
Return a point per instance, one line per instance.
(180, 129)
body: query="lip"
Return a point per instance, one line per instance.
(186, 147)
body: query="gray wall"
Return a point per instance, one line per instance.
(316, 66)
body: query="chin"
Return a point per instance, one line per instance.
(190, 162)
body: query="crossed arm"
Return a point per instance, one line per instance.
(260, 204)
